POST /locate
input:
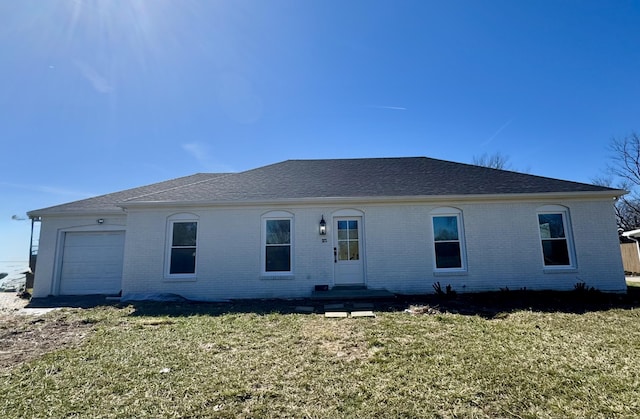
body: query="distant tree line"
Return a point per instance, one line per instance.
(493, 161)
(623, 172)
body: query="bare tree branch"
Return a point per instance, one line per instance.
(493, 161)
(623, 172)
(625, 161)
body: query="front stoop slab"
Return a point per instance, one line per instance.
(352, 294)
(336, 314)
(367, 313)
(304, 309)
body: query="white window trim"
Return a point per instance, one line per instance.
(449, 212)
(276, 215)
(568, 232)
(180, 218)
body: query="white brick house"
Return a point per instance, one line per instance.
(399, 224)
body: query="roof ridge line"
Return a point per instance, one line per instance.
(354, 158)
(181, 186)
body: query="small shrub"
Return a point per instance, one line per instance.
(438, 288)
(449, 292)
(581, 287)
(506, 290)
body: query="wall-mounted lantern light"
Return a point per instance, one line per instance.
(323, 226)
(100, 221)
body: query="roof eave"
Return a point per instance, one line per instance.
(74, 212)
(612, 194)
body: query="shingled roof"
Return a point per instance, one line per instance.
(109, 202)
(341, 178)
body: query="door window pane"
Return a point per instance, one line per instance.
(348, 240)
(343, 250)
(354, 253)
(353, 233)
(342, 230)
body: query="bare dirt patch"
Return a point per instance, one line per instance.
(23, 337)
(343, 339)
(10, 302)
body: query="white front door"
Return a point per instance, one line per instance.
(347, 251)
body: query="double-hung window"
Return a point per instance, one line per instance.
(555, 237)
(182, 246)
(277, 244)
(448, 239)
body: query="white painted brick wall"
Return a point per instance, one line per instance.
(502, 245)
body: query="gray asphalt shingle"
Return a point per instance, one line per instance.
(109, 202)
(337, 178)
(379, 177)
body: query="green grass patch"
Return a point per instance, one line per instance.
(523, 364)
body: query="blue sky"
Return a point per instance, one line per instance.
(99, 96)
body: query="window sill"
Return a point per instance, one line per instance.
(180, 279)
(450, 273)
(269, 277)
(563, 270)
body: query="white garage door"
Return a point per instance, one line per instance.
(92, 263)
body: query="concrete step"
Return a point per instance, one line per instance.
(352, 294)
(349, 287)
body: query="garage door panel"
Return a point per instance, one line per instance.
(92, 263)
(88, 270)
(88, 286)
(80, 255)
